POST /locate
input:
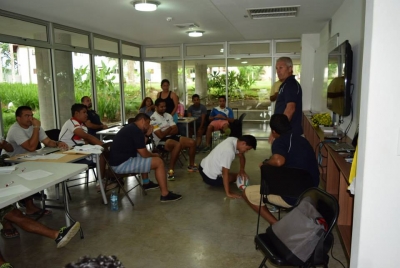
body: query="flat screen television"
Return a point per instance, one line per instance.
(340, 65)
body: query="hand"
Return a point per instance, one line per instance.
(220, 116)
(233, 196)
(243, 174)
(35, 122)
(104, 126)
(150, 130)
(63, 146)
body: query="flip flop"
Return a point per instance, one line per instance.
(39, 212)
(9, 233)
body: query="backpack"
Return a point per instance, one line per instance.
(299, 233)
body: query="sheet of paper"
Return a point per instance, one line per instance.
(51, 156)
(17, 189)
(7, 170)
(35, 174)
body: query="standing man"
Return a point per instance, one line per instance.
(198, 111)
(128, 154)
(215, 167)
(93, 122)
(220, 118)
(166, 137)
(288, 150)
(289, 101)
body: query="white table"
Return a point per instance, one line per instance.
(60, 173)
(109, 131)
(187, 121)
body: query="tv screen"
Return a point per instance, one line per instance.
(340, 65)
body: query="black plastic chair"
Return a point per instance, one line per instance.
(328, 207)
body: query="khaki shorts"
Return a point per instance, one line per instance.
(253, 195)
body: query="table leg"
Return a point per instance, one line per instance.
(98, 169)
(187, 130)
(66, 205)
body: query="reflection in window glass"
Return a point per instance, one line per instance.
(205, 50)
(24, 29)
(162, 52)
(107, 89)
(25, 79)
(130, 50)
(288, 47)
(105, 45)
(71, 38)
(253, 48)
(132, 88)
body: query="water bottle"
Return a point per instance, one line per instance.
(335, 131)
(114, 201)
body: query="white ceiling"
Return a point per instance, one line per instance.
(222, 20)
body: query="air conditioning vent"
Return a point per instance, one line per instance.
(273, 12)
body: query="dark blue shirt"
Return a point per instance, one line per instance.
(94, 119)
(298, 153)
(126, 143)
(290, 91)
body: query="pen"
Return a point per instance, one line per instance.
(8, 184)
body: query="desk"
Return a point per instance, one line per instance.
(60, 173)
(110, 131)
(187, 121)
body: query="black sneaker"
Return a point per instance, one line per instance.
(170, 197)
(150, 186)
(66, 233)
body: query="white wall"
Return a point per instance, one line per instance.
(309, 43)
(376, 214)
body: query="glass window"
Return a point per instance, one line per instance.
(162, 52)
(107, 89)
(105, 45)
(288, 47)
(130, 50)
(205, 50)
(253, 48)
(25, 79)
(132, 88)
(71, 38)
(24, 29)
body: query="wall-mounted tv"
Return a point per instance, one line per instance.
(340, 65)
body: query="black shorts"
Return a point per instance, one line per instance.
(161, 143)
(207, 180)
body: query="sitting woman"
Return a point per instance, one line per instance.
(147, 106)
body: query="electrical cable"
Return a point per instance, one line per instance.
(351, 110)
(333, 257)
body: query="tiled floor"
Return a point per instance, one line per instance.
(204, 229)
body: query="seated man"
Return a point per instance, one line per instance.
(24, 136)
(165, 137)
(74, 131)
(93, 123)
(61, 237)
(198, 111)
(215, 167)
(220, 118)
(128, 154)
(288, 150)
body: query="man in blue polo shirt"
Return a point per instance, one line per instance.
(128, 154)
(289, 101)
(288, 150)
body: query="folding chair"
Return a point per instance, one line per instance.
(110, 174)
(164, 154)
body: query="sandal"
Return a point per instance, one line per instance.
(40, 212)
(9, 233)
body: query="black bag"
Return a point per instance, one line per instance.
(297, 235)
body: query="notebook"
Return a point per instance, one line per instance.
(45, 150)
(341, 147)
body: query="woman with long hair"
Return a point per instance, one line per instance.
(147, 106)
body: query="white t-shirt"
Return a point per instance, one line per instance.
(221, 156)
(160, 122)
(18, 135)
(67, 132)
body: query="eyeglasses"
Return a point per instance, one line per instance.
(27, 115)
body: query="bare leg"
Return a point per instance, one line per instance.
(29, 225)
(189, 143)
(174, 148)
(157, 164)
(30, 206)
(264, 210)
(210, 130)
(199, 136)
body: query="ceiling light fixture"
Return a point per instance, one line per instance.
(195, 33)
(145, 5)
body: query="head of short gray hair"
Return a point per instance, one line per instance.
(288, 61)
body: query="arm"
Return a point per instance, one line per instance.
(275, 160)
(94, 126)
(6, 146)
(289, 110)
(87, 137)
(203, 121)
(50, 143)
(176, 102)
(32, 143)
(242, 161)
(168, 131)
(225, 179)
(273, 97)
(230, 116)
(146, 154)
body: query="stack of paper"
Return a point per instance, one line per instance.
(7, 170)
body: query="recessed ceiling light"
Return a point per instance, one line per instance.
(195, 33)
(145, 5)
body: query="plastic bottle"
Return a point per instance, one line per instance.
(335, 132)
(114, 201)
